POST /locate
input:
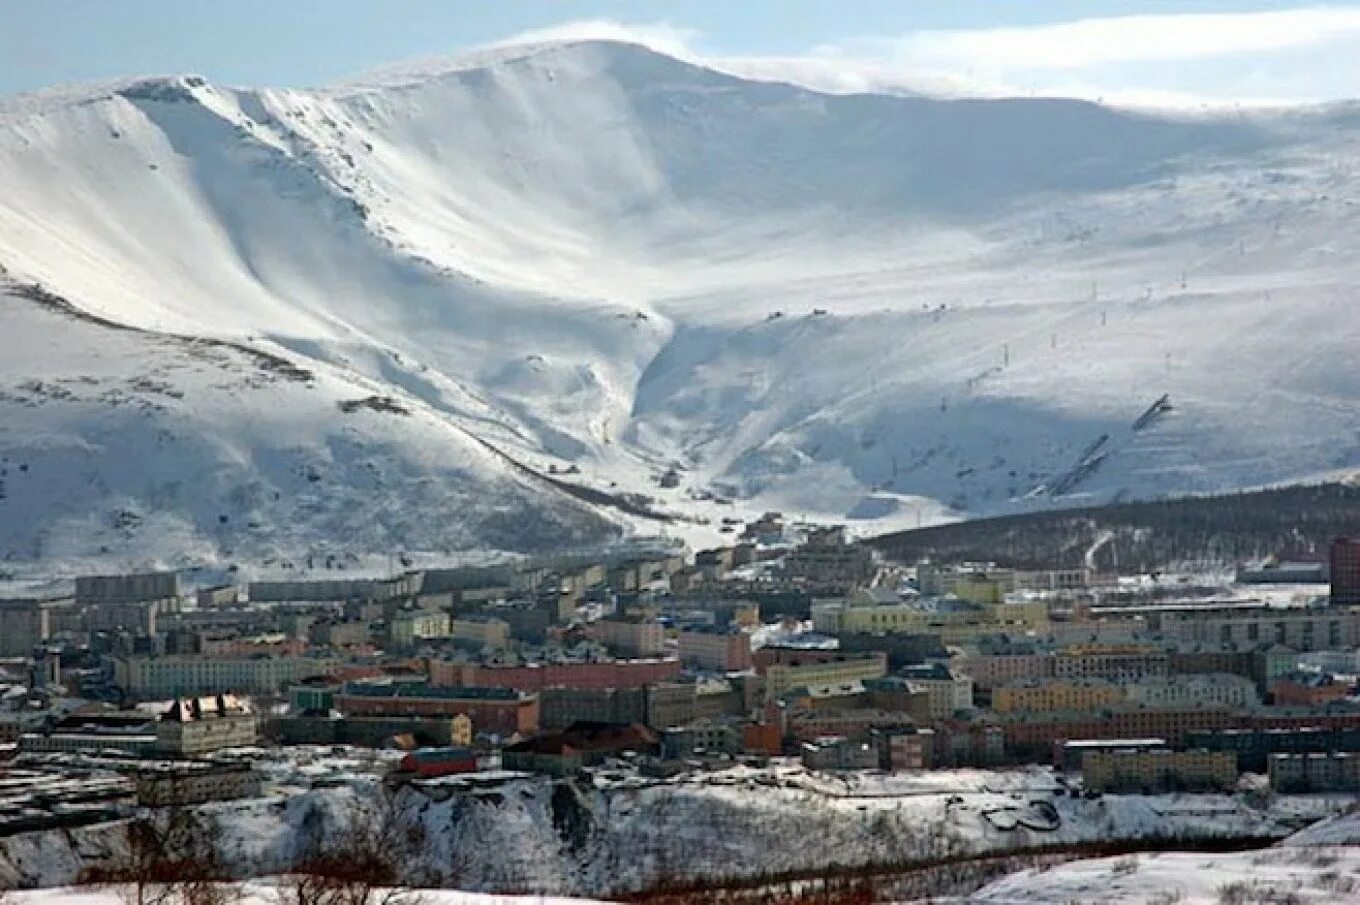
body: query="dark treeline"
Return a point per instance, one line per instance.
(1221, 530)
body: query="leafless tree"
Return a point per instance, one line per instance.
(371, 860)
(171, 858)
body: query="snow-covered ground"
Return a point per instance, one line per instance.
(514, 832)
(886, 309)
(265, 894)
(1319, 865)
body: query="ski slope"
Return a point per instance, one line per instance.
(592, 257)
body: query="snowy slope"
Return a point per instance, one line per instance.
(576, 252)
(528, 833)
(169, 451)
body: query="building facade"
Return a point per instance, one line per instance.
(846, 668)
(500, 711)
(722, 650)
(538, 676)
(158, 678)
(1154, 770)
(1345, 571)
(1055, 695)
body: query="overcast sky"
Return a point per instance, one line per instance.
(1182, 53)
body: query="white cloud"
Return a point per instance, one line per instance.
(1091, 42)
(1282, 56)
(1288, 56)
(661, 36)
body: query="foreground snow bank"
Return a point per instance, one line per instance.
(1318, 864)
(1282, 874)
(263, 894)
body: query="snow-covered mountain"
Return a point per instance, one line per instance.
(591, 257)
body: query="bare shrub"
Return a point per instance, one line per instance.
(371, 860)
(1125, 866)
(171, 858)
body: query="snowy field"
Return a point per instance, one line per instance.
(594, 257)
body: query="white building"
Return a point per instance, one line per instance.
(158, 678)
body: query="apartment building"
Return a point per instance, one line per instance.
(1345, 571)
(502, 711)
(642, 636)
(195, 783)
(1207, 689)
(561, 707)
(409, 627)
(809, 725)
(338, 632)
(538, 676)
(1254, 747)
(159, 678)
(841, 669)
(1252, 625)
(953, 623)
(27, 623)
(719, 649)
(1323, 771)
(1050, 695)
(196, 726)
(991, 670)
(1117, 662)
(948, 692)
(828, 559)
(1153, 770)
(482, 632)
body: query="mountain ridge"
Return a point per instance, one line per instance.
(599, 259)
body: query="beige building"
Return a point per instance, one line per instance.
(196, 726)
(781, 677)
(639, 637)
(483, 632)
(460, 730)
(1150, 770)
(953, 622)
(195, 783)
(1048, 696)
(412, 626)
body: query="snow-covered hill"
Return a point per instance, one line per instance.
(611, 834)
(590, 254)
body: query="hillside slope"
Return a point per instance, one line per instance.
(593, 256)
